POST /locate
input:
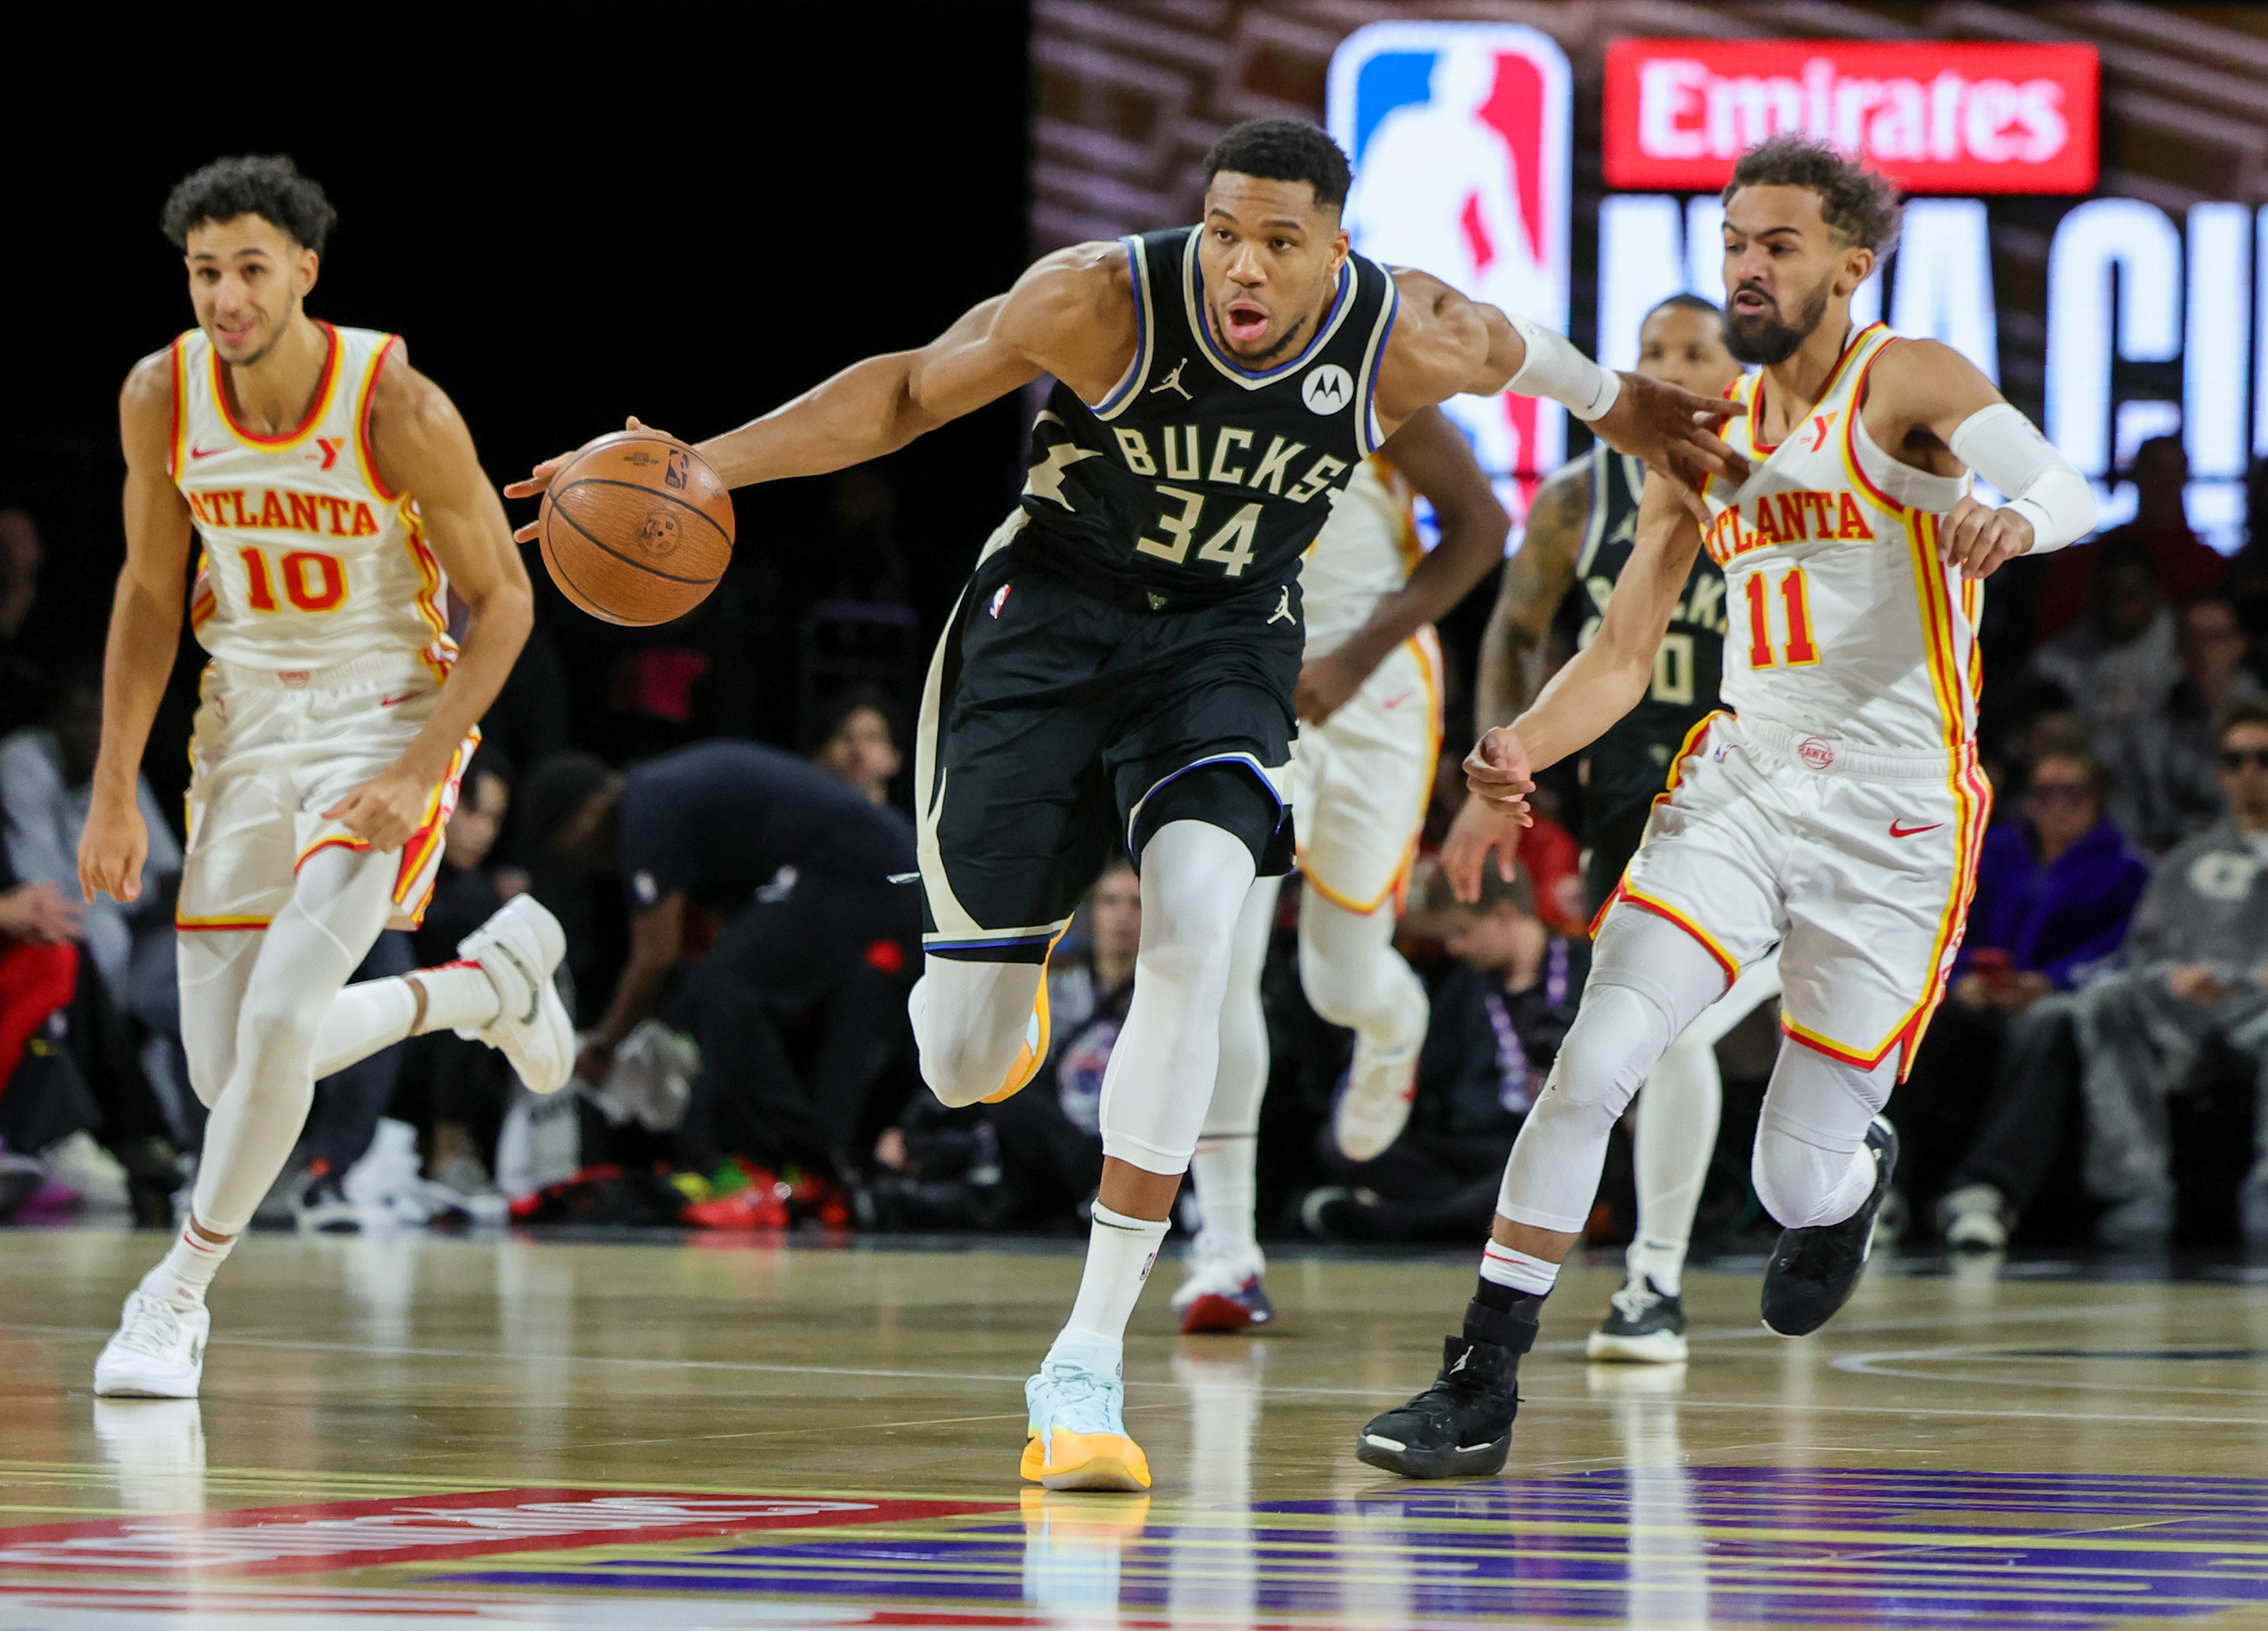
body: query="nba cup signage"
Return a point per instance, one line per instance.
(1459, 133)
(1934, 117)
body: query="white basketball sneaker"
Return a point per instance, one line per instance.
(519, 950)
(158, 1353)
(1373, 1101)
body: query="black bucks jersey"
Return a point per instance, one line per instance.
(1197, 480)
(1630, 764)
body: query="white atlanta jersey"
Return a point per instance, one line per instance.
(1844, 624)
(309, 560)
(1365, 553)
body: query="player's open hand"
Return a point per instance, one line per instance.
(1977, 538)
(1327, 683)
(538, 480)
(111, 848)
(39, 913)
(1674, 431)
(385, 810)
(1480, 830)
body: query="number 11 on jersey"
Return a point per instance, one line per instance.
(1800, 650)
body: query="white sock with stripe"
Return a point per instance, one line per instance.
(182, 1274)
(372, 1014)
(1527, 1275)
(1120, 1251)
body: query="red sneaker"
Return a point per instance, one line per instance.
(760, 1206)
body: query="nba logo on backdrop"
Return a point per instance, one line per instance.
(1459, 134)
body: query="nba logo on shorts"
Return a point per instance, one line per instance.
(1459, 133)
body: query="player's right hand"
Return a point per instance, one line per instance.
(1497, 772)
(1479, 832)
(1673, 432)
(112, 848)
(538, 480)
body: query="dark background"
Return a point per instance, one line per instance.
(686, 215)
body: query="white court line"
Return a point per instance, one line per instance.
(1872, 1364)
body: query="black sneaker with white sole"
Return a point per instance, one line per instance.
(1461, 1426)
(1644, 1323)
(1814, 1271)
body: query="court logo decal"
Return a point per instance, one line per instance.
(326, 1536)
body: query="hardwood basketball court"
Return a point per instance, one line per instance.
(436, 1432)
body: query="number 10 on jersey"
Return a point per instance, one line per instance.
(1795, 592)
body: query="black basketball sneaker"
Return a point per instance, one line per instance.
(1814, 1271)
(1644, 1323)
(1461, 1426)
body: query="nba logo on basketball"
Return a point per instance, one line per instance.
(1459, 133)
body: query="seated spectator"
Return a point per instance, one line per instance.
(858, 742)
(776, 878)
(26, 641)
(454, 1088)
(2054, 890)
(39, 970)
(2166, 790)
(1498, 1018)
(2117, 664)
(2181, 563)
(2196, 973)
(1032, 1161)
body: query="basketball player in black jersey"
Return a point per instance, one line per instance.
(1120, 669)
(1580, 534)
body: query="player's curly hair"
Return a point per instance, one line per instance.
(1858, 205)
(1283, 149)
(268, 185)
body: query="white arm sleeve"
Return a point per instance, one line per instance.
(2003, 447)
(1555, 368)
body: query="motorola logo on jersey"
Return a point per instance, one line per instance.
(1328, 389)
(1460, 134)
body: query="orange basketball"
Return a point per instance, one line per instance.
(636, 528)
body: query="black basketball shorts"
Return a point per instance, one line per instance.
(1055, 726)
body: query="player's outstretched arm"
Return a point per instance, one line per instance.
(421, 446)
(1606, 678)
(145, 632)
(1444, 345)
(1928, 402)
(1434, 457)
(1070, 314)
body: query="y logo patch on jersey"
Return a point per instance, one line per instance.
(1819, 427)
(1460, 136)
(1328, 389)
(326, 453)
(1173, 382)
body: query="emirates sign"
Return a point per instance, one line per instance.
(1936, 117)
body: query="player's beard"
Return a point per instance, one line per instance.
(1767, 339)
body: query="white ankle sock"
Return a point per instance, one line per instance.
(1502, 1266)
(1119, 1253)
(1662, 1261)
(1222, 1170)
(459, 997)
(182, 1274)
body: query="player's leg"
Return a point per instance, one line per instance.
(1222, 1291)
(1649, 980)
(1674, 1138)
(1200, 837)
(1354, 977)
(341, 900)
(1823, 1161)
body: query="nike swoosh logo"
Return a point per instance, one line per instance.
(1908, 831)
(388, 701)
(1399, 701)
(204, 453)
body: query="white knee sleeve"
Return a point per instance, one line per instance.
(969, 1020)
(1553, 1174)
(1810, 1167)
(1160, 1082)
(1240, 1078)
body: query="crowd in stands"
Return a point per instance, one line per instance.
(743, 931)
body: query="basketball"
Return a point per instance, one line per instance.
(636, 528)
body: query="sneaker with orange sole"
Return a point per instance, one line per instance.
(1078, 1434)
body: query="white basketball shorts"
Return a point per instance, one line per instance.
(1858, 862)
(271, 750)
(1361, 780)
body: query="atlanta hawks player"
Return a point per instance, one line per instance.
(338, 500)
(1837, 810)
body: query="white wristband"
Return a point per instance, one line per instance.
(1554, 368)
